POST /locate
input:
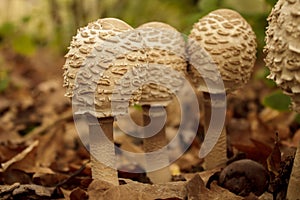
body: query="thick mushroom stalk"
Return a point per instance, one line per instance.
(165, 48)
(230, 45)
(92, 69)
(283, 59)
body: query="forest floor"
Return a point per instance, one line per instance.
(42, 156)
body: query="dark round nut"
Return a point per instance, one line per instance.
(243, 177)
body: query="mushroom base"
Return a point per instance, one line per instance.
(102, 150)
(218, 155)
(156, 142)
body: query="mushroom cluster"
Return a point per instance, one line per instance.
(283, 59)
(110, 62)
(231, 46)
(99, 57)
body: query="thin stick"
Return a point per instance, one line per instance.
(154, 143)
(218, 154)
(102, 150)
(47, 126)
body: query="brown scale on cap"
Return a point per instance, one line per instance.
(283, 48)
(230, 42)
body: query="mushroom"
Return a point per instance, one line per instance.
(283, 48)
(165, 49)
(91, 71)
(223, 39)
(283, 59)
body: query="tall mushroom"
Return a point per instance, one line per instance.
(93, 66)
(283, 59)
(165, 49)
(230, 43)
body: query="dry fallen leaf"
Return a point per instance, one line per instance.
(197, 190)
(36, 191)
(136, 191)
(20, 156)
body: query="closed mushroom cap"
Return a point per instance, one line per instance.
(114, 48)
(283, 48)
(84, 42)
(165, 48)
(230, 43)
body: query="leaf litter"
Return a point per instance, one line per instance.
(42, 156)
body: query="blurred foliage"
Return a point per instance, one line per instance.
(261, 74)
(278, 101)
(297, 118)
(4, 80)
(54, 22)
(26, 26)
(11, 34)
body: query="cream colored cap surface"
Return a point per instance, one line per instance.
(84, 42)
(165, 49)
(283, 48)
(224, 40)
(101, 53)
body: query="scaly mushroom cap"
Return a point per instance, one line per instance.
(230, 42)
(165, 49)
(102, 51)
(84, 42)
(283, 48)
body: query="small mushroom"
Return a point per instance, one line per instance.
(89, 69)
(165, 48)
(223, 39)
(283, 59)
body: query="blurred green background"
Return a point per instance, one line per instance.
(27, 25)
(31, 29)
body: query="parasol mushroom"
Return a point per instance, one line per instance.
(230, 45)
(91, 71)
(283, 59)
(165, 49)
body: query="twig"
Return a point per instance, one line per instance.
(19, 156)
(45, 127)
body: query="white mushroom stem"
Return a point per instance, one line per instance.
(294, 182)
(218, 155)
(155, 143)
(100, 148)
